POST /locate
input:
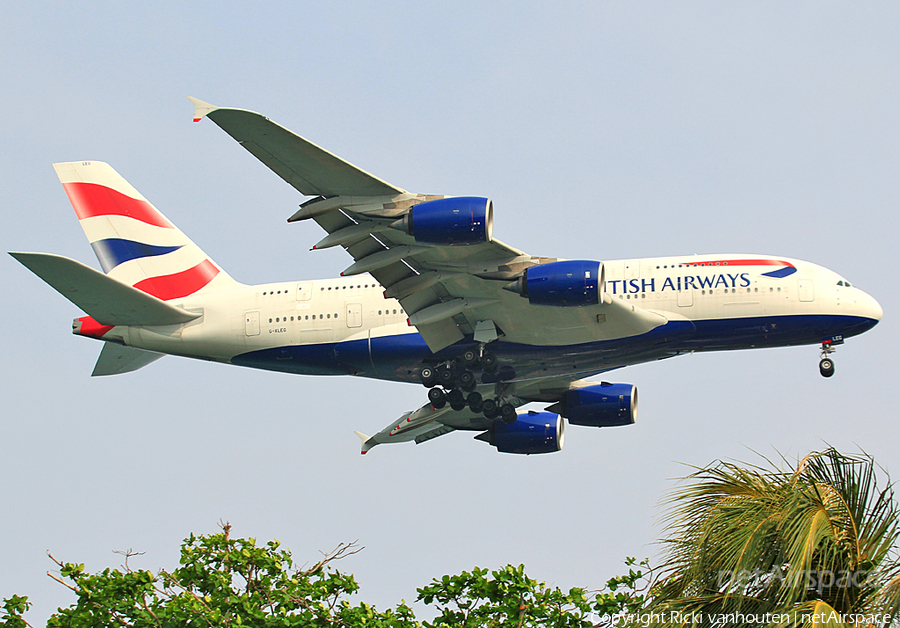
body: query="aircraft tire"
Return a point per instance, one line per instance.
(437, 397)
(428, 377)
(826, 367)
(446, 377)
(456, 397)
(508, 413)
(466, 380)
(469, 357)
(489, 362)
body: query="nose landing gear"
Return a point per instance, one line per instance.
(826, 364)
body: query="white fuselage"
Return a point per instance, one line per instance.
(351, 315)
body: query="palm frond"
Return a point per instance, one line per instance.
(773, 539)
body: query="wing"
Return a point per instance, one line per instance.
(449, 292)
(427, 422)
(311, 170)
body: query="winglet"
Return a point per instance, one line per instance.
(365, 442)
(201, 109)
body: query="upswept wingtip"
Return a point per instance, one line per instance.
(365, 442)
(201, 109)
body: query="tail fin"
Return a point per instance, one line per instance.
(134, 242)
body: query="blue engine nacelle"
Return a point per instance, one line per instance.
(601, 405)
(532, 433)
(450, 221)
(572, 283)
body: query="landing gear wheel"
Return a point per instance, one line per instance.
(428, 377)
(437, 397)
(508, 413)
(446, 376)
(490, 409)
(475, 401)
(457, 399)
(469, 357)
(489, 362)
(826, 364)
(466, 380)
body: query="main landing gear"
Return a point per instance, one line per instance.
(454, 382)
(826, 364)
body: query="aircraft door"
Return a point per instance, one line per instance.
(304, 291)
(686, 297)
(805, 290)
(354, 314)
(251, 323)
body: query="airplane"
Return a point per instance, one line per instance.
(431, 298)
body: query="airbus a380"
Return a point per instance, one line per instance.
(430, 298)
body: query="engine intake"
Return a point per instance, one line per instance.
(572, 283)
(601, 405)
(532, 433)
(452, 221)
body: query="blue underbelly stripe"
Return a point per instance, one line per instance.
(399, 357)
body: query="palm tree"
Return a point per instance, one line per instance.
(755, 546)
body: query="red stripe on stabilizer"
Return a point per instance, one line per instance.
(181, 284)
(92, 199)
(87, 326)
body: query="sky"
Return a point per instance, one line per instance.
(601, 130)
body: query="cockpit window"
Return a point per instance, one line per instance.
(846, 284)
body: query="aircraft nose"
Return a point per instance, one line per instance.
(874, 308)
(868, 307)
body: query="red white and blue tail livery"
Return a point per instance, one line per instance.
(430, 298)
(133, 241)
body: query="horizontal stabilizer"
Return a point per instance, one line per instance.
(106, 300)
(115, 359)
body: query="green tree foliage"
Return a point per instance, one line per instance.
(509, 598)
(222, 581)
(12, 611)
(811, 545)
